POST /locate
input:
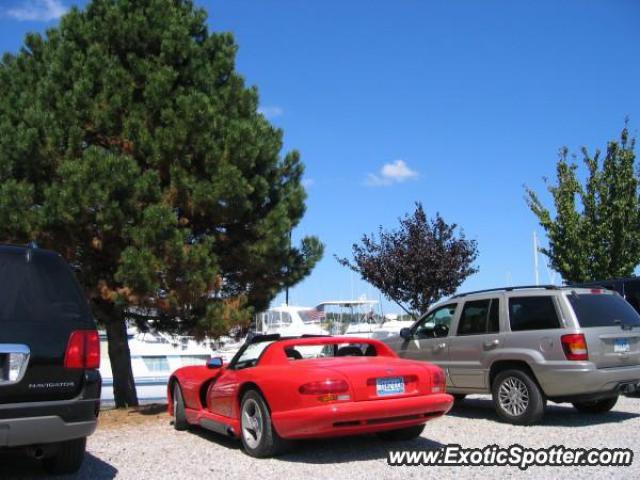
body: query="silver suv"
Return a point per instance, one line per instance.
(527, 345)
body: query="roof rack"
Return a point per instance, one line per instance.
(508, 289)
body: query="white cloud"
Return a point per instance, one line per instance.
(271, 111)
(395, 172)
(38, 10)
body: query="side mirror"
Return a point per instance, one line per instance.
(215, 362)
(406, 333)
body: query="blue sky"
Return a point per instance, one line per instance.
(464, 102)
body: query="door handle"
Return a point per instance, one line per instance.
(492, 344)
(440, 346)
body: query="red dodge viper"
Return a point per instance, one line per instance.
(277, 389)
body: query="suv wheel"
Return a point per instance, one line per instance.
(68, 457)
(596, 406)
(517, 398)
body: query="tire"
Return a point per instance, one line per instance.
(179, 416)
(517, 398)
(258, 436)
(68, 457)
(408, 433)
(596, 406)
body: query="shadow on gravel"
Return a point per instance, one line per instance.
(218, 438)
(351, 449)
(331, 450)
(556, 415)
(151, 409)
(17, 465)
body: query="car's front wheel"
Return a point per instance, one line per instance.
(258, 436)
(596, 406)
(67, 458)
(408, 433)
(517, 397)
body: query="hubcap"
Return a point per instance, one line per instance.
(513, 396)
(252, 423)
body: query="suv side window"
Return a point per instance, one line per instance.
(436, 324)
(532, 313)
(479, 317)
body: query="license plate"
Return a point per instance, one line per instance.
(621, 345)
(389, 386)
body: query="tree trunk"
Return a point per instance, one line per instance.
(124, 388)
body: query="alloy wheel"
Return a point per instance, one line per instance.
(513, 396)
(252, 423)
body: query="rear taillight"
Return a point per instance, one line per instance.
(575, 346)
(438, 380)
(327, 390)
(83, 350)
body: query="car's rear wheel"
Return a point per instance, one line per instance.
(408, 433)
(68, 457)
(258, 436)
(596, 406)
(179, 414)
(517, 398)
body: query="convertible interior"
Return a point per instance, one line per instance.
(349, 350)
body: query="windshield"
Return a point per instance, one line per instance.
(251, 354)
(603, 310)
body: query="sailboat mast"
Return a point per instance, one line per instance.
(535, 258)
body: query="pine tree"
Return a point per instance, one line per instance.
(130, 144)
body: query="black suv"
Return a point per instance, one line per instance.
(49, 359)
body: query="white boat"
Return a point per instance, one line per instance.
(290, 321)
(154, 356)
(361, 318)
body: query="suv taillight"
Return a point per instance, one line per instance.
(83, 350)
(575, 346)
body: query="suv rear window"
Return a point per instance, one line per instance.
(602, 310)
(532, 313)
(38, 290)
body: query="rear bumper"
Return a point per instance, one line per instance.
(42, 430)
(563, 382)
(38, 423)
(354, 418)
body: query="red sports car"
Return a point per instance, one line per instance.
(278, 389)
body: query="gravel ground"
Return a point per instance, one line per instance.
(154, 450)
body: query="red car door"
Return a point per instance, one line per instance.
(222, 393)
